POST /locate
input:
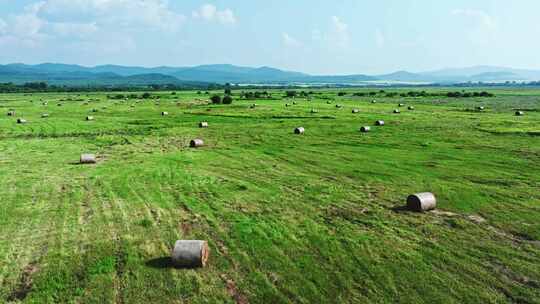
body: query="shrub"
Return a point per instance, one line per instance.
(227, 99)
(216, 99)
(146, 95)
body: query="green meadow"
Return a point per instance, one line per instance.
(312, 218)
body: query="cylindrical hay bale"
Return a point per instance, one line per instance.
(379, 123)
(520, 113)
(294, 102)
(421, 202)
(401, 105)
(253, 106)
(338, 106)
(411, 108)
(373, 101)
(329, 102)
(44, 115)
(314, 111)
(11, 113)
(164, 113)
(187, 253)
(396, 111)
(203, 124)
(354, 111)
(480, 108)
(365, 129)
(196, 143)
(88, 118)
(299, 130)
(21, 121)
(287, 105)
(88, 159)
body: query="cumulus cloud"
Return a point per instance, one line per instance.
(480, 16)
(380, 39)
(88, 23)
(339, 33)
(210, 12)
(290, 41)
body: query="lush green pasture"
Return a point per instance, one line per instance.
(315, 218)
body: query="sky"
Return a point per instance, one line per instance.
(317, 37)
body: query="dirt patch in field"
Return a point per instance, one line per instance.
(25, 283)
(233, 291)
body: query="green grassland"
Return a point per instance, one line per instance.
(313, 218)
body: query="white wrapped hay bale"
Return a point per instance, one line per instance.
(164, 113)
(88, 158)
(379, 123)
(196, 143)
(520, 113)
(421, 202)
(365, 129)
(11, 113)
(354, 111)
(190, 253)
(89, 118)
(44, 115)
(203, 124)
(21, 121)
(396, 111)
(411, 108)
(299, 130)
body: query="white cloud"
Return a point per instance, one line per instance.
(380, 39)
(480, 16)
(339, 33)
(210, 12)
(88, 23)
(290, 41)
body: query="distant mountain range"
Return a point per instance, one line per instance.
(115, 75)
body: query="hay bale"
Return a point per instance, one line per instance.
(313, 111)
(396, 111)
(253, 106)
(354, 111)
(299, 130)
(421, 202)
(373, 101)
(11, 113)
(339, 106)
(365, 129)
(401, 105)
(480, 108)
(89, 118)
(88, 159)
(190, 253)
(203, 124)
(287, 105)
(294, 103)
(44, 115)
(328, 102)
(410, 108)
(520, 113)
(164, 113)
(196, 143)
(21, 121)
(379, 123)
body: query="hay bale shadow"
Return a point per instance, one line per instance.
(164, 263)
(401, 209)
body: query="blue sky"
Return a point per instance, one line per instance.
(330, 37)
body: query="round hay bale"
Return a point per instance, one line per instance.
(190, 253)
(21, 121)
(287, 105)
(328, 102)
(294, 103)
(339, 106)
(520, 113)
(354, 111)
(379, 123)
(164, 113)
(480, 108)
(411, 108)
(365, 129)
(88, 159)
(253, 106)
(396, 111)
(299, 130)
(421, 202)
(44, 115)
(373, 101)
(11, 113)
(203, 124)
(313, 111)
(196, 143)
(89, 118)
(401, 105)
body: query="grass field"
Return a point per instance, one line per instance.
(315, 218)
